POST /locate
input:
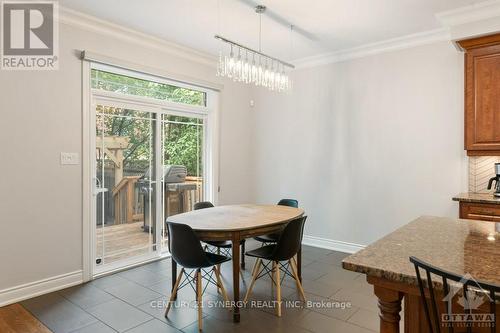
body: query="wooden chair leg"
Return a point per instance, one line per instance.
(174, 291)
(219, 284)
(276, 268)
(297, 280)
(254, 267)
(198, 299)
(254, 277)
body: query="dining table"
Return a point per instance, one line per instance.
(236, 223)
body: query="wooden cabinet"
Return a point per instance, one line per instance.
(482, 95)
(480, 211)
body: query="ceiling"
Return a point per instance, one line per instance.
(321, 25)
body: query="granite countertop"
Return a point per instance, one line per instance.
(458, 246)
(486, 198)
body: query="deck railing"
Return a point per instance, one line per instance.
(128, 199)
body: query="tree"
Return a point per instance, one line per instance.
(182, 136)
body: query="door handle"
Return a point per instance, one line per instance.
(97, 187)
(100, 190)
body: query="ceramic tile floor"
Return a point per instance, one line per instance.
(132, 301)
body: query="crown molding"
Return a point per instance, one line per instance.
(393, 44)
(468, 14)
(472, 21)
(457, 24)
(93, 24)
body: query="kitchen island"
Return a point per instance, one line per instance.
(459, 246)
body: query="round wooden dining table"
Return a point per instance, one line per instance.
(235, 223)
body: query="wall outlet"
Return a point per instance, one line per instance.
(70, 159)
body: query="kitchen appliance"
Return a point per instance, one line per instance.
(497, 181)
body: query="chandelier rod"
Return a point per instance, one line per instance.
(225, 40)
(260, 10)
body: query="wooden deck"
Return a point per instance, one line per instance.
(122, 241)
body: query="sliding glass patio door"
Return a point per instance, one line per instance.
(182, 149)
(149, 163)
(125, 176)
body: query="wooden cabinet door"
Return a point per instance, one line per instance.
(482, 100)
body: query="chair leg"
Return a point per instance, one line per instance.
(254, 267)
(198, 299)
(218, 267)
(243, 254)
(219, 284)
(254, 277)
(276, 269)
(174, 291)
(297, 280)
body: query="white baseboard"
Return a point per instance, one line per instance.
(332, 244)
(40, 287)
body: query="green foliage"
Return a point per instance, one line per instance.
(133, 86)
(182, 136)
(182, 139)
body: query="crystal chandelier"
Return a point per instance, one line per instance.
(244, 64)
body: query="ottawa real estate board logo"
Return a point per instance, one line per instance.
(29, 35)
(470, 300)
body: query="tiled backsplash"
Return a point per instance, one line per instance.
(481, 169)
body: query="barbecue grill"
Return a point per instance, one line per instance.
(174, 180)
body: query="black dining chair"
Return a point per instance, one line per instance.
(223, 245)
(280, 255)
(187, 251)
(471, 293)
(273, 237)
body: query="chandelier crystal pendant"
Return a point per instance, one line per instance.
(244, 64)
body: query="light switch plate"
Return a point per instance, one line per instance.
(70, 159)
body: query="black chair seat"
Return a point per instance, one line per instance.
(285, 249)
(264, 252)
(269, 238)
(216, 259)
(186, 250)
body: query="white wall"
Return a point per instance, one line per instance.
(365, 145)
(41, 116)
